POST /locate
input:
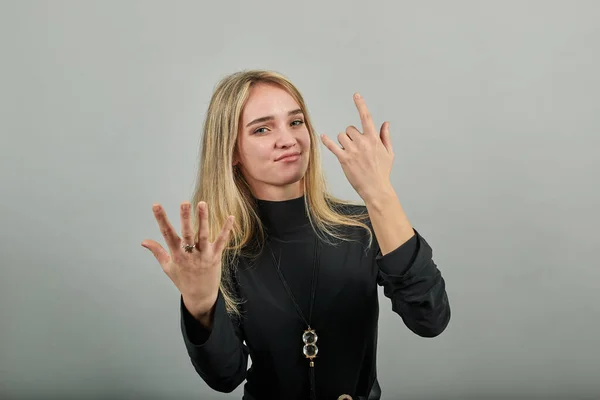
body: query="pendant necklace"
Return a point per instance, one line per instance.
(309, 336)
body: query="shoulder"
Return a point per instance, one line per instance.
(353, 222)
(353, 210)
(347, 208)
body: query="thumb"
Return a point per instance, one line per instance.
(157, 250)
(385, 137)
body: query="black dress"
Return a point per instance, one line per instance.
(345, 315)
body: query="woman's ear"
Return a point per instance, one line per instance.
(236, 158)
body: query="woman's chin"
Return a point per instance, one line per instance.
(292, 176)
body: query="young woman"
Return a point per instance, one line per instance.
(272, 266)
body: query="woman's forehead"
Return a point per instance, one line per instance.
(268, 100)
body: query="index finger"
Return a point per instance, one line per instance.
(365, 116)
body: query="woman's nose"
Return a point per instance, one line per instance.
(286, 138)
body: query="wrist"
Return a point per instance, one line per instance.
(200, 309)
(380, 198)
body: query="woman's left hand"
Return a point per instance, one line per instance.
(366, 157)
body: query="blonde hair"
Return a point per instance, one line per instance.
(226, 192)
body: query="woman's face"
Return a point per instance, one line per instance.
(273, 143)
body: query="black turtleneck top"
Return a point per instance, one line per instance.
(345, 314)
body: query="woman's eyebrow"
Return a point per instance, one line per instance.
(270, 117)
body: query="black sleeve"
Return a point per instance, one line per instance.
(219, 356)
(415, 286)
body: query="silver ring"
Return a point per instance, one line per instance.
(188, 247)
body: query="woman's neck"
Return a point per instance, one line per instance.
(282, 218)
(280, 193)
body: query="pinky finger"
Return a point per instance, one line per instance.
(223, 237)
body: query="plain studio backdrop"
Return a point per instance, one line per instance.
(495, 120)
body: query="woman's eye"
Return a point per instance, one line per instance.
(297, 122)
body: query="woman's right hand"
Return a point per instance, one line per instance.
(197, 273)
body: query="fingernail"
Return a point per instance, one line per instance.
(357, 95)
(156, 208)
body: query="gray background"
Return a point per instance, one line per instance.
(494, 110)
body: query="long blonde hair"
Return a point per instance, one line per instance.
(226, 192)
